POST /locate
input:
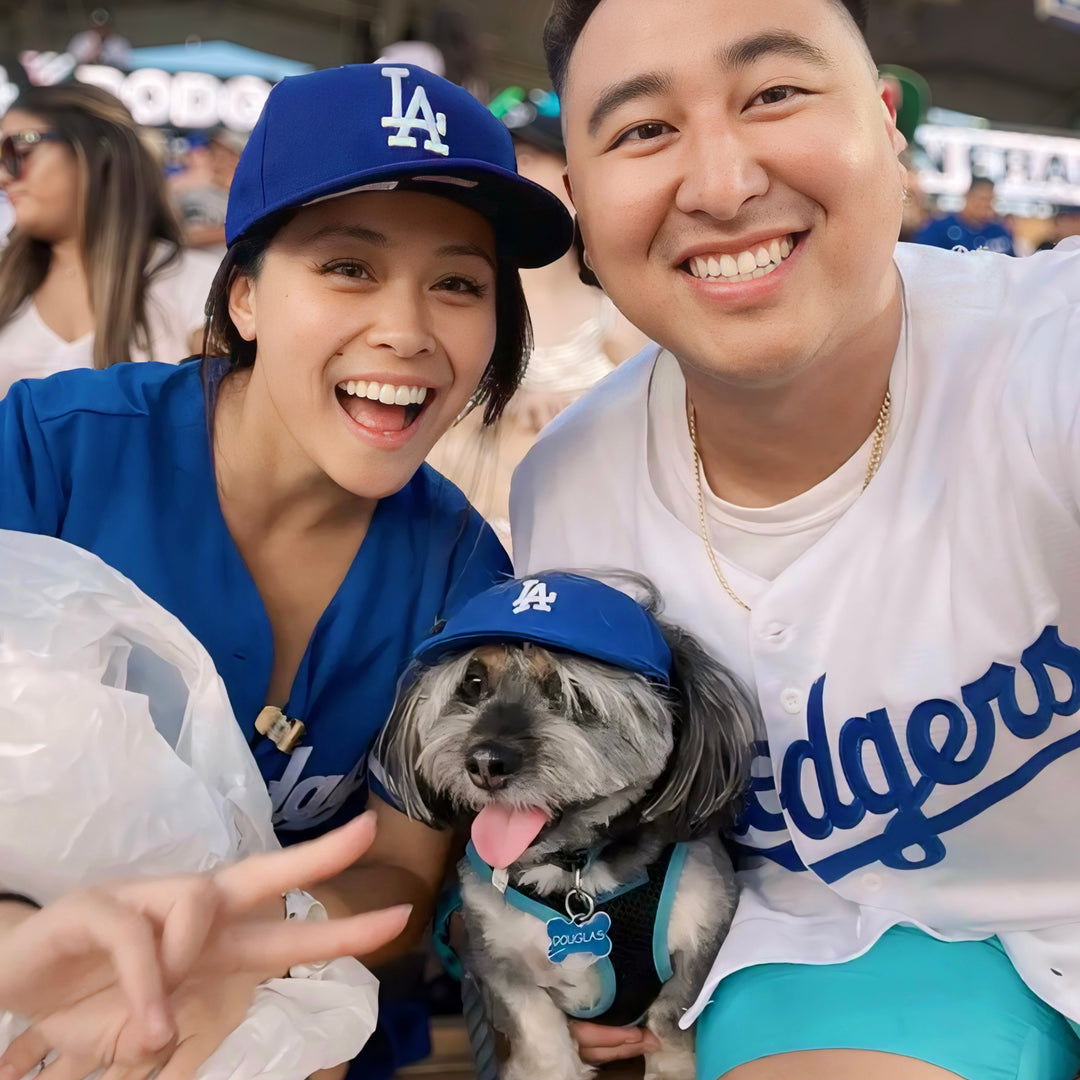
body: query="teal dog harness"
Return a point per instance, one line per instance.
(627, 930)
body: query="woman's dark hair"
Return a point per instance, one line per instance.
(568, 19)
(513, 328)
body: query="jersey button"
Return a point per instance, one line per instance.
(871, 883)
(791, 701)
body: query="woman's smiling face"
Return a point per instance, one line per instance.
(374, 319)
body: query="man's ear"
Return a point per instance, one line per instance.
(891, 93)
(242, 306)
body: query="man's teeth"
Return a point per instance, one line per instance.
(385, 392)
(747, 265)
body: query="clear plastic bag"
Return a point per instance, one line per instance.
(120, 757)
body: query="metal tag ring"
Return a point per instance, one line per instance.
(589, 902)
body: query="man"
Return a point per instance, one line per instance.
(851, 470)
(976, 226)
(202, 208)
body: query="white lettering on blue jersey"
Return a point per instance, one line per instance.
(304, 804)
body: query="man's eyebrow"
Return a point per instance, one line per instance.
(645, 85)
(741, 54)
(467, 249)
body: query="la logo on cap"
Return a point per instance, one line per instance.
(419, 115)
(534, 595)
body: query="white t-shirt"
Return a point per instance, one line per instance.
(761, 540)
(174, 308)
(917, 666)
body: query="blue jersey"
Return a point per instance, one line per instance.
(118, 462)
(953, 232)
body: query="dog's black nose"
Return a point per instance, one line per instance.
(490, 765)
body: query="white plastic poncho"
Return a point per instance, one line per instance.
(120, 757)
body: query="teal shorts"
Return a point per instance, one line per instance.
(959, 1005)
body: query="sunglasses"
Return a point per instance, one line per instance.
(14, 149)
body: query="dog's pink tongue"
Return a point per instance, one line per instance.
(501, 834)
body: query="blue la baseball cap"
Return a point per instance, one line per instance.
(382, 126)
(562, 611)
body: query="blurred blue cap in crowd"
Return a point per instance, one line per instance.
(387, 126)
(558, 610)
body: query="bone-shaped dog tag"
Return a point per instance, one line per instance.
(566, 937)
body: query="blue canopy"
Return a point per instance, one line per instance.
(221, 58)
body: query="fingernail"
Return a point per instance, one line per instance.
(403, 909)
(7, 1072)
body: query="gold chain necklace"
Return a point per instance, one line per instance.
(877, 450)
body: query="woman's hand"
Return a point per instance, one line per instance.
(598, 1044)
(206, 1010)
(96, 970)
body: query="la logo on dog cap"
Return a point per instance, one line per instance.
(566, 612)
(365, 127)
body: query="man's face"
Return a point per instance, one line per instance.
(979, 204)
(735, 174)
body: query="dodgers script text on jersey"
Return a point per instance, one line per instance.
(948, 743)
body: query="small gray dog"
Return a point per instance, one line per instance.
(599, 752)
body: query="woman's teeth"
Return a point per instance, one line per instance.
(386, 393)
(747, 265)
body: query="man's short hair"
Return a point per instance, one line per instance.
(981, 182)
(568, 19)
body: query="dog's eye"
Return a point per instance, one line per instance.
(551, 687)
(474, 684)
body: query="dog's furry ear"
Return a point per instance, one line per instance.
(397, 750)
(714, 731)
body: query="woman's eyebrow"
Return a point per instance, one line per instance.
(336, 230)
(350, 232)
(467, 249)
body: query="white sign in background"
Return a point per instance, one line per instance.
(188, 99)
(1024, 167)
(1065, 12)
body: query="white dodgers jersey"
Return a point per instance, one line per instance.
(918, 667)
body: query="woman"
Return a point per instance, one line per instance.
(275, 499)
(93, 273)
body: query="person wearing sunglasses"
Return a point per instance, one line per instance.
(273, 495)
(93, 272)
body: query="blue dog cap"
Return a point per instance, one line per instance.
(381, 126)
(560, 611)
